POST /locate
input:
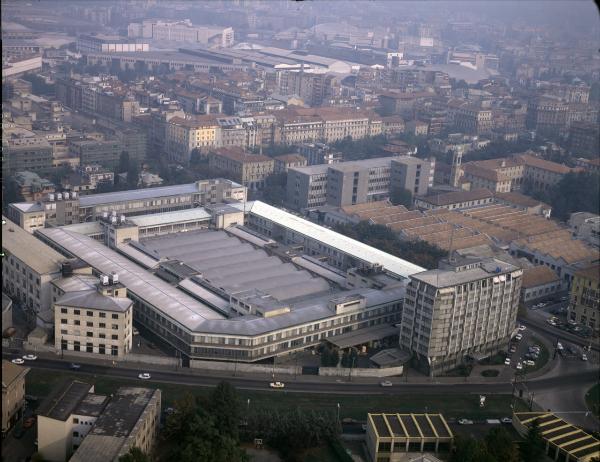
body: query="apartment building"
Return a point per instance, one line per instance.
(464, 311)
(583, 138)
(319, 153)
(585, 297)
(97, 320)
(456, 200)
(496, 175)
(13, 394)
(28, 266)
(356, 182)
(185, 135)
(31, 186)
(543, 174)
(547, 115)
(65, 417)
(473, 120)
(251, 170)
(286, 161)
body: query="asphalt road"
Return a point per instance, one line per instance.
(316, 385)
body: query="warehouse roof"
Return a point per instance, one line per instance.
(178, 216)
(137, 194)
(64, 400)
(174, 303)
(31, 251)
(335, 240)
(537, 276)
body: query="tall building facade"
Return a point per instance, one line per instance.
(462, 312)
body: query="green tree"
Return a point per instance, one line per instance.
(468, 449)
(225, 403)
(135, 454)
(501, 445)
(133, 173)
(123, 162)
(576, 192)
(532, 449)
(401, 196)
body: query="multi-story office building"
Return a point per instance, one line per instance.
(412, 174)
(109, 44)
(466, 310)
(103, 152)
(251, 170)
(13, 394)
(585, 297)
(28, 266)
(97, 320)
(356, 182)
(66, 208)
(182, 31)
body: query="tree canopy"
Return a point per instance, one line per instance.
(381, 237)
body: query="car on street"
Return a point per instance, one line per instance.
(18, 361)
(29, 422)
(529, 362)
(507, 362)
(465, 422)
(74, 366)
(522, 327)
(584, 357)
(144, 376)
(29, 357)
(135, 331)
(277, 384)
(559, 346)
(506, 420)
(518, 337)
(519, 366)
(386, 383)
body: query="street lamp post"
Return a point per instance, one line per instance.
(338, 413)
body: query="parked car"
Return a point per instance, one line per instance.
(559, 346)
(31, 398)
(465, 422)
(29, 422)
(19, 432)
(522, 327)
(506, 420)
(277, 384)
(386, 383)
(29, 357)
(529, 362)
(18, 361)
(513, 348)
(507, 362)
(518, 337)
(135, 331)
(584, 357)
(144, 376)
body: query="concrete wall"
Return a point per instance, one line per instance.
(250, 368)
(361, 372)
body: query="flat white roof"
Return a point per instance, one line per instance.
(335, 240)
(178, 216)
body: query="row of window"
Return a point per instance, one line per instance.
(101, 314)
